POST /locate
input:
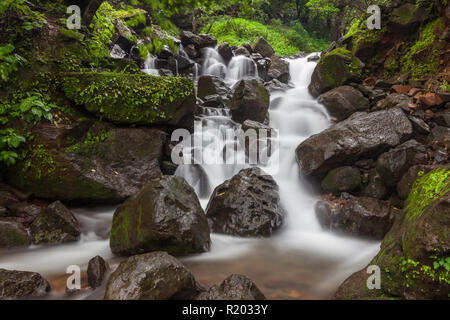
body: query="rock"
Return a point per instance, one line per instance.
(335, 69)
(342, 102)
(241, 51)
(168, 168)
(279, 69)
(249, 124)
(96, 271)
(131, 98)
(208, 41)
(407, 17)
(249, 48)
(165, 215)
(430, 100)
(392, 165)
(395, 100)
(420, 127)
(363, 135)
(417, 242)
(250, 101)
(191, 51)
(152, 276)
(342, 179)
(406, 182)
(24, 212)
(235, 287)
(225, 52)
(439, 138)
(247, 205)
(106, 165)
(56, 224)
(179, 63)
(124, 36)
(13, 234)
(375, 187)
(263, 66)
(263, 48)
(401, 89)
(275, 85)
(188, 38)
(442, 118)
(20, 285)
(313, 58)
(212, 85)
(367, 217)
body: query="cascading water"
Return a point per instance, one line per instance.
(150, 66)
(301, 261)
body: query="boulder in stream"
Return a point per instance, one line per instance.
(13, 234)
(279, 70)
(343, 101)
(247, 205)
(165, 215)
(363, 135)
(152, 276)
(235, 287)
(96, 271)
(250, 101)
(263, 48)
(21, 285)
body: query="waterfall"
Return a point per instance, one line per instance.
(150, 66)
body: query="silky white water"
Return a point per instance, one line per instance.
(300, 261)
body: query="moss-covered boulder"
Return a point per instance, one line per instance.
(335, 69)
(13, 234)
(165, 215)
(342, 179)
(138, 99)
(408, 16)
(415, 255)
(91, 162)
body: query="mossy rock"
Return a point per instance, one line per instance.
(342, 179)
(335, 69)
(414, 258)
(408, 16)
(13, 234)
(133, 98)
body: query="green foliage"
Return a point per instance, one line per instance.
(31, 107)
(9, 62)
(10, 141)
(426, 189)
(411, 270)
(422, 58)
(285, 41)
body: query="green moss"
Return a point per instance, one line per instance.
(422, 59)
(426, 189)
(130, 99)
(70, 34)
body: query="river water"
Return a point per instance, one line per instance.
(300, 261)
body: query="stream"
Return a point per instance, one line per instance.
(300, 261)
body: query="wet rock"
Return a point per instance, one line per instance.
(439, 138)
(235, 287)
(375, 187)
(113, 164)
(406, 182)
(314, 57)
(168, 168)
(96, 271)
(241, 51)
(279, 69)
(420, 127)
(335, 69)
(247, 205)
(20, 285)
(392, 165)
(342, 179)
(402, 89)
(249, 48)
(188, 38)
(13, 234)
(275, 85)
(25, 212)
(264, 48)
(179, 63)
(363, 135)
(367, 217)
(263, 66)
(407, 17)
(442, 118)
(430, 100)
(56, 224)
(225, 52)
(250, 101)
(152, 276)
(7, 198)
(395, 100)
(208, 41)
(343, 101)
(212, 85)
(191, 51)
(165, 215)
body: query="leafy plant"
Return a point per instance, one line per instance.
(10, 141)
(9, 62)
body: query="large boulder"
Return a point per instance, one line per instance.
(279, 69)
(250, 101)
(367, 217)
(247, 205)
(342, 102)
(335, 69)
(408, 16)
(13, 234)
(165, 215)
(392, 165)
(212, 85)
(55, 225)
(105, 165)
(263, 48)
(342, 179)
(138, 99)
(20, 285)
(235, 287)
(414, 255)
(225, 52)
(152, 276)
(96, 271)
(363, 135)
